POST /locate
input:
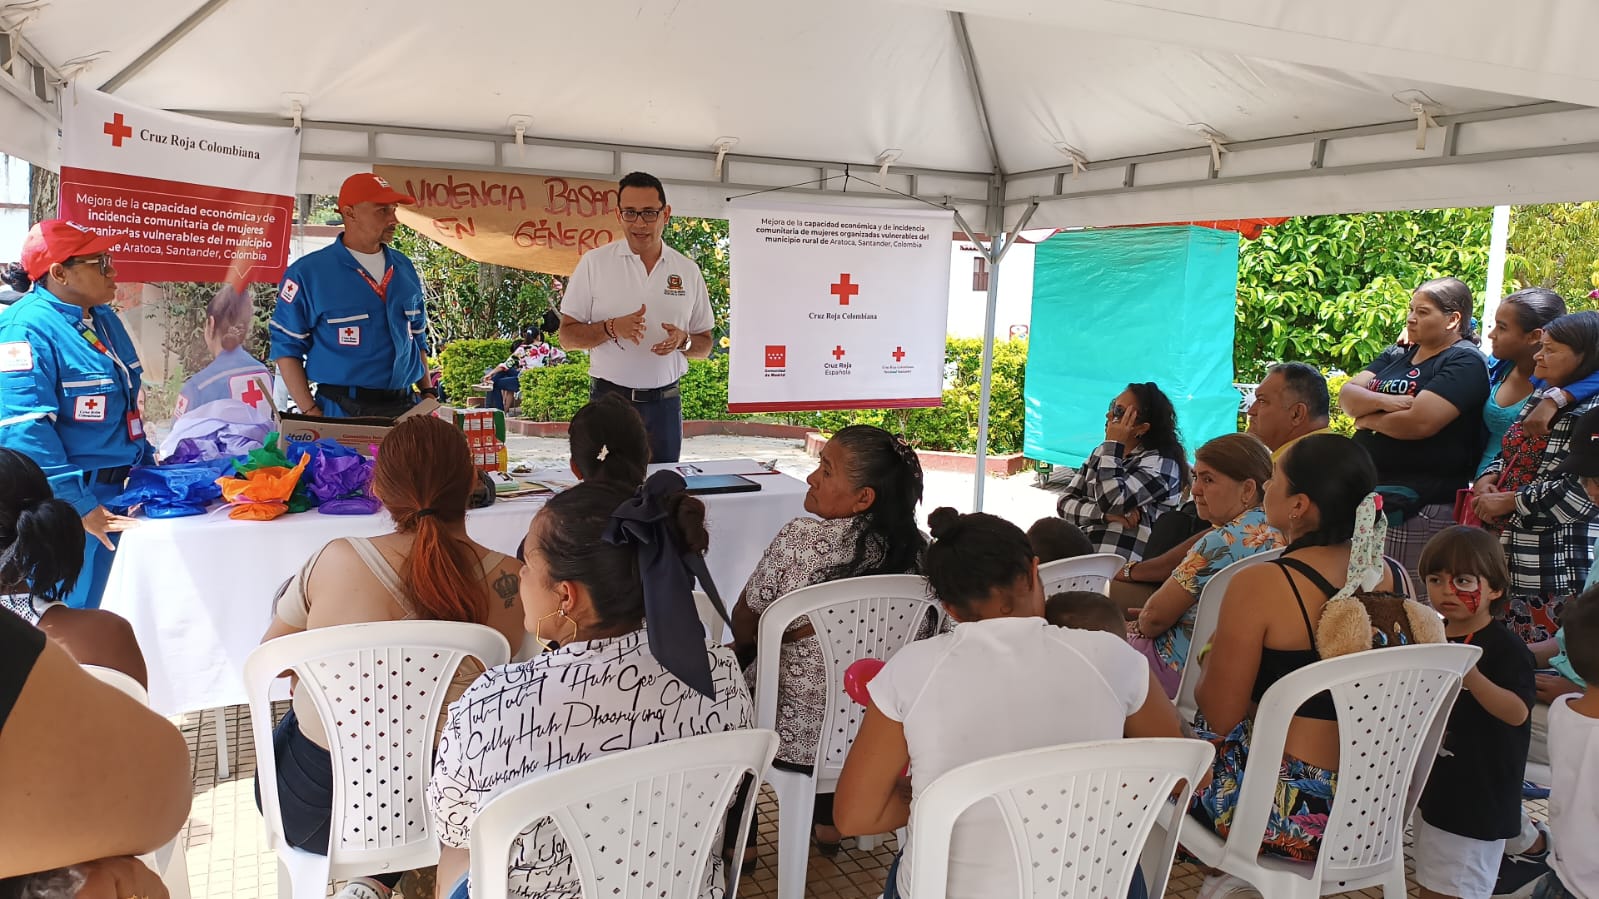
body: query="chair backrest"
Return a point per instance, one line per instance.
(1205, 616)
(1078, 815)
(869, 617)
(1092, 572)
(1393, 705)
(379, 689)
(709, 617)
(639, 822)
(123, 682)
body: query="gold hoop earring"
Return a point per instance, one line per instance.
(547, 645)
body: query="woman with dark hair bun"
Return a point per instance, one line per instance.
(428, 568)
(41, 556)
(1548, 523)
(863, 493)
(626, 665)
(1139, 472)
(1004, 680)
(609, 442)
(1418, 412)
(233, 374)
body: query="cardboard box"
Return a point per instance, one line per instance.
(359, 434)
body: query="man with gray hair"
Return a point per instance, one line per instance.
(1291, 403)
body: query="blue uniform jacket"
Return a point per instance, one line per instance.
(329, 315)
(233, 375)
(63, 402)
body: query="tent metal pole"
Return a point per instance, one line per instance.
(1497, 246)
(160, 47)
(998, 247)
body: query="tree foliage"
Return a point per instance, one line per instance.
(1555, 245)
(1332, 290)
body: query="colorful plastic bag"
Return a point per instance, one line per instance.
(265, 491)
(338, 480)
(172, 491)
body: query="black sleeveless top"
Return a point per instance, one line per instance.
(1275, 664)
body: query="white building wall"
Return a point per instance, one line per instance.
(968, 306)
(13, 207)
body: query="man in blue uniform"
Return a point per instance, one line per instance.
(69, 385)
(350, 316)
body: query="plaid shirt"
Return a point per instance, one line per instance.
(1108, 484)
(1549, 539)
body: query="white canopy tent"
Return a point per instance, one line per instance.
(1090, 112)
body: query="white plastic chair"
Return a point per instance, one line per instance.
(643, 821)
(1393, 705)
(854, 618)
(1092, 572)
(170, 861)
(1205, 626)
(1078, 815)
(379, 689)
(706, 607)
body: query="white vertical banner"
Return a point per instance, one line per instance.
(837, 307)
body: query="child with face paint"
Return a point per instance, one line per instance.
(1472, 801)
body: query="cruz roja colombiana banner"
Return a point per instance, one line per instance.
(837, 307)
(198, 200)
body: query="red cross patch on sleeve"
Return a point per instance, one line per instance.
(16, 356)
(288, 292)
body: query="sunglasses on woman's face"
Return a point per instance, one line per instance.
(103, 261)
(1117, 410)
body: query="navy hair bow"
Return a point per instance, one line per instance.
(677, 639)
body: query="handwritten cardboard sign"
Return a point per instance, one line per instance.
(530, 222)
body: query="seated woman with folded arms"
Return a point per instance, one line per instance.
(427, 568)
(613, 620)
(1004, 680)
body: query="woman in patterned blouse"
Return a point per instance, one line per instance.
(1548, 523)
(1140, 471)
(1230, 475)
(864, 495)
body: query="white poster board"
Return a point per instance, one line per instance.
(837, 307)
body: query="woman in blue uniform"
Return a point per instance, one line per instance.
(69, 385)
(233, 374)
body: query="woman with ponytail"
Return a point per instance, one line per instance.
(626, 665)
(233, 373)
(41, 555)
(427, 568)
(864, 494)
(609, 442)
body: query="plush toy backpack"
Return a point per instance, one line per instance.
(1359, 616)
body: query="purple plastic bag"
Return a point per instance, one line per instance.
(338, 479)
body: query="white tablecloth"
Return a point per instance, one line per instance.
(198, 591)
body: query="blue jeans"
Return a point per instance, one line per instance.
(510, 381)
(663, 420)
(891, 889)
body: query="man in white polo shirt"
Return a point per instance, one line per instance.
(641, 310)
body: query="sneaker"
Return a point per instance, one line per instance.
(1226, 886)
(1519, 874)
(1530, 790)
(362, 888)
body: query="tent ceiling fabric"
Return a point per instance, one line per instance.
(1310, 102)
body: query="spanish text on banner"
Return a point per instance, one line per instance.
(837, 307)
(531, 222)
(196, 199)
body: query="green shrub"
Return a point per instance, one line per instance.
(465, 361)
(557, 392)
(1339, 420)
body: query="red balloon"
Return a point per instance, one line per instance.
(858, 675)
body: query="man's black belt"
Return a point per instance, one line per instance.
(366, 394)
(642, 394)
(107, 475)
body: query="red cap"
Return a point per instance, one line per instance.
(57, 240)
(369, 188)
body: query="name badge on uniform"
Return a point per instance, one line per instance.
(135, 427)
(349, 336)
(16, 356)
(88, 408)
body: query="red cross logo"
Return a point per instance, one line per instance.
(838, 352)
(898, 354)
(118, 130)
(92, 405)
(844, 290)
(252, 395)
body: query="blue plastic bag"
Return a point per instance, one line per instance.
(172, 491)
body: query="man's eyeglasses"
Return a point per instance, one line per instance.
(648, 215)
(103, 261)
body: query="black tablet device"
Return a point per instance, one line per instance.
(708, 484)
